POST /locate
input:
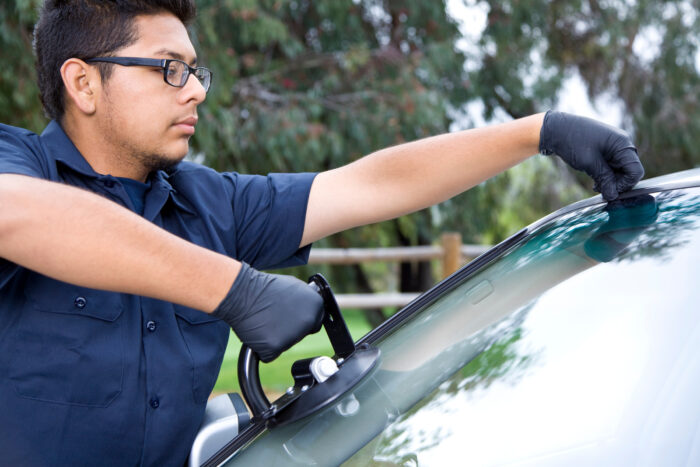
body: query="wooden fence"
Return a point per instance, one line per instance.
(451, 252)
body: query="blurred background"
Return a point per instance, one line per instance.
(303, 85)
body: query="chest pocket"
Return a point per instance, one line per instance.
(69, 345)
(205, 337)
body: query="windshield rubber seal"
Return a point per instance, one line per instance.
(442, 287)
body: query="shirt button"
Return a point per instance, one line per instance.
(155, 403)
(80, 302)
(151, 326)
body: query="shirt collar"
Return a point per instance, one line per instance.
(162, 179)
(62, 149)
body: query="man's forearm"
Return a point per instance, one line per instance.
(412, 176)
(79, 237)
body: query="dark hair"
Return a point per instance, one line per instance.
(85, 29)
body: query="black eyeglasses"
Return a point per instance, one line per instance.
(175, 72)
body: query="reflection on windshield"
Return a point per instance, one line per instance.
(578, 346)
(627, 220)
(502, 362)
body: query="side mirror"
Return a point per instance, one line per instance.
(224, 417)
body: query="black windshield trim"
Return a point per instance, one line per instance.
(442, 287)
(226, 452)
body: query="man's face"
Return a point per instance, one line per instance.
(147, 121)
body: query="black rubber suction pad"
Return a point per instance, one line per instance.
(318, 396)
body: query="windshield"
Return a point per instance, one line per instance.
(579, 345)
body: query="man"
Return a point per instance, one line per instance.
(123, 268)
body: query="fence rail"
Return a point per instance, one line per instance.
(451, 252)
(409, 253)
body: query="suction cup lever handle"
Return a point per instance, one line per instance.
(333, 321)
(249, 380)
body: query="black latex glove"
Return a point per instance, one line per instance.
(270, 312)
(604, 152)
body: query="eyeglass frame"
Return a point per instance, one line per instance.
(157, 63)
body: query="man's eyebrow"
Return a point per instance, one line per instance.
(176, 56)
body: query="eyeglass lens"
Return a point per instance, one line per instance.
(178, 72)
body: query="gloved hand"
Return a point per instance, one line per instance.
(604, 152)
(270, 312)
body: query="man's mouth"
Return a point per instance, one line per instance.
(187, 125)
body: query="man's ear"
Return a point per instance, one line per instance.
(82, 83)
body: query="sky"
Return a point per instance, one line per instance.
(572, 97)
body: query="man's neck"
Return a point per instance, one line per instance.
(99, 153)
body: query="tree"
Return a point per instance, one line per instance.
(645, 53)
(303, 85)
(19, 95)
(313, 85)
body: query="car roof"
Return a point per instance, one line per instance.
(676, 180)
(690, 177)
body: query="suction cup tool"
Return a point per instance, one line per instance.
(316, 382)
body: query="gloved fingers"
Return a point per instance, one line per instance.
(270, 312)
(318, 324)
(314, 318)
(628, 168)
(296, 310)
(617, 159)
(605, 182)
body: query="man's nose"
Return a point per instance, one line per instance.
(194, 90)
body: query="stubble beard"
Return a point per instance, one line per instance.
(147, 161)
(130, 154)
(154, 162)
(150, 161)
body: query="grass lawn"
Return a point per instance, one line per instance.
(277, 376)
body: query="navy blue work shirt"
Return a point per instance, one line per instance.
(89, 377)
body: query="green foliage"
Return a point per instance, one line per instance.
(323, 84)
(303, 85)
(646, 53)
(314, 85)
(19, 95)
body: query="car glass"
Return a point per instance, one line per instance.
(580, 345)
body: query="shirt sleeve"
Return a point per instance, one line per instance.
(7, 272)
(16, 157)
(270, 212)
